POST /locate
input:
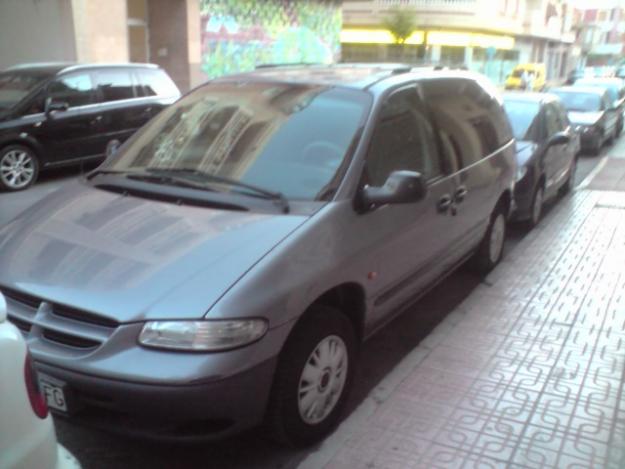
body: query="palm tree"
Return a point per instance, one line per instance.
(401, 23)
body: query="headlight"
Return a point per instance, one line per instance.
(202, 336)
(521, 172)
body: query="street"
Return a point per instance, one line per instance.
(379, 356)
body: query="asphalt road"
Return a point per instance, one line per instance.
(379, 356)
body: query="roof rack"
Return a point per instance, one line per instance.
(292, 64)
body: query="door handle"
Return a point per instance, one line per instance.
(96, 120)
(444, 203)
(460, 194)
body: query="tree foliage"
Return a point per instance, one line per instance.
(401, 22)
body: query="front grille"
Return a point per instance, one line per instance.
(57, 324)
(23, 326)
(69, 340)
(83, 316)
(23, 298)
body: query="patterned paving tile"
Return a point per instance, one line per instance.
(530, 372)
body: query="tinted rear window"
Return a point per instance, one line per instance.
(468, 116)
(156, 83)
(114, 85)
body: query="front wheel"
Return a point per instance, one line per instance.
(313, 378)
(490, 250)
(19, 167)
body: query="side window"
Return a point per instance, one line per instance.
(156, 83)
(75, 90)
(114, 85)
(472, 123)
(562, 117)
(552, 122)
(403, 140)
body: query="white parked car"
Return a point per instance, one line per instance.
(27, 438)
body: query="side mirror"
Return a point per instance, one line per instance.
(560, 138)
(401, 187)
(56, 105)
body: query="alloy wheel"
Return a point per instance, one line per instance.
(17, 169)
(322, 380)
(537, 205)
(497, 238)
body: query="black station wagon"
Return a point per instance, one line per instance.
(59, 114)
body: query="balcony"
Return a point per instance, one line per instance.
(484, 15)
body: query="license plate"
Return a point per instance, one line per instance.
(54, 392)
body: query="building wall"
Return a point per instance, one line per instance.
(101, 30)
(167, 20)
(36, 31)
(238, 35)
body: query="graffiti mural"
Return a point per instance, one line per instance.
(238, 35)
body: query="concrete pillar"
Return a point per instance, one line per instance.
(468, 57)
(435, 53)
(101, 30)
(175, 39)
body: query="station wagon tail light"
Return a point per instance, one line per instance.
(202, 336)
(36, 398)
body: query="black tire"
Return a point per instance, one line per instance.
(536, 211)
(596, 147)
(570, 180)
(8, 156)
(484, 260)
(284, 419)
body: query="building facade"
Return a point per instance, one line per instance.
(193, 40)
(488, 36)
(601, 33)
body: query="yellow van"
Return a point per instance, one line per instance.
(535, 74)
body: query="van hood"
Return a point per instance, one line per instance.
(132, 259)
(584, 118)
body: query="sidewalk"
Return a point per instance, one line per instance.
(527, 372)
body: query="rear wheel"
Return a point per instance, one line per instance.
(19, 167)
(314, 375)
(570, 180)
(538, 200)
(490, 250)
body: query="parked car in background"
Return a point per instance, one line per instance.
(530, 77)
(616, 91)
(577, 74)
(546, 146)
(591, 111)
(27, 438)
(57, 114)
(224, 266)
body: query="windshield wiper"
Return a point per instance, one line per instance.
(277, 196)
(155, 178)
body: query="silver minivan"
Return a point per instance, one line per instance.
(222, 269)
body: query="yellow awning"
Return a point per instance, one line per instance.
(376, 36)
(439, 38)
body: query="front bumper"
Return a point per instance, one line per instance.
(193, 412)
(589, 138)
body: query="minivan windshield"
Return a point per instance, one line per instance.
(14, 86)
(521, 115)
(290, 139)
(580, 102)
